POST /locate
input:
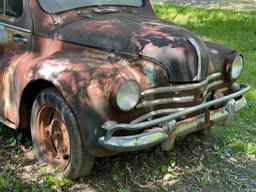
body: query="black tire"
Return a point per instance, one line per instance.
(56, 136)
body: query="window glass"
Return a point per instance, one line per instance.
(13, 8)
(56, 6)
(1, 6)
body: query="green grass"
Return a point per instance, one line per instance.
(235, 29)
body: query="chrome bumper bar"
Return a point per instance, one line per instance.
(167, 129)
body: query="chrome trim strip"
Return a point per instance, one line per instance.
(4, 7)
(15, 27)
(179, 88)
(212, 85)
(224, 89)
(155, 113)
(199, 57)
(165, 101)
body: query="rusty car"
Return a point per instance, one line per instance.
(99, 77)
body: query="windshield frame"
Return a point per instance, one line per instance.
(66, 10)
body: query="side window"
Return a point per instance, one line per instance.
(11, 8)
(14, 8)
(1, 6)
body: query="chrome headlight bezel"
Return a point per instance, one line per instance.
(236, 67)
(126, 94)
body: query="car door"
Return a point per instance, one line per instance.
(15, 44)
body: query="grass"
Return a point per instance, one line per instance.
(247, 5)
(223, 159)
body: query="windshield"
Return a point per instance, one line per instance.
(56, 6)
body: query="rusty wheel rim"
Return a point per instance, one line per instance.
(52, 138)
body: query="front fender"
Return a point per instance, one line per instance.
(85, 84)
(218, 57)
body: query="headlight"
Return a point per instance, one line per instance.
(237, 68)
(127, 95)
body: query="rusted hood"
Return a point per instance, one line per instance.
(177, 50)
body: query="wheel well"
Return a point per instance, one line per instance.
(27, 99)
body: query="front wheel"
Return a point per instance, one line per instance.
(56, 136)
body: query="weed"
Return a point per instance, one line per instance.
(124, 190)
(119, 171)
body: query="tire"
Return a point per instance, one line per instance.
(56, 136)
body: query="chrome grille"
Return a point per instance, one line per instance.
(179, 88)
(212, 82)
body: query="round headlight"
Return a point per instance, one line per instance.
(127, 95)
(237, 67)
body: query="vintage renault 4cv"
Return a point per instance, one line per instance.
(98, 77)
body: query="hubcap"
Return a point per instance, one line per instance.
(52, 138)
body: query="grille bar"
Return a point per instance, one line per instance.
(166, 101)
(187, 87)
(212, 85)
(156, 113)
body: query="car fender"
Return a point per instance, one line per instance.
(218, 57)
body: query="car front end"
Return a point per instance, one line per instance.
(178, 109)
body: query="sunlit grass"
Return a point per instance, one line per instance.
(236, 29)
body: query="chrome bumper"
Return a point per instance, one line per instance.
(166, 129)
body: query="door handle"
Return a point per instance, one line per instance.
(19, 39)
